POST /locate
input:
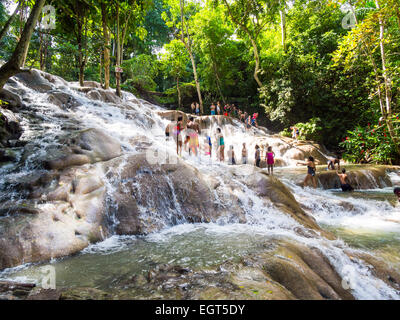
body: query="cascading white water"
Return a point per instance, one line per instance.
(133, 119)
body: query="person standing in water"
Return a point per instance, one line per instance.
(177, 130)
(270, 157)
(212, 108)
(231, 155)
(193, 107)
(221, 145)
(344, 181)
(219, 108)
(244, 154)
(257, 156)
(193, 131)
(197, 109)
(311, 172)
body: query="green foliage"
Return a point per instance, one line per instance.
(140, 72)
(174, 60)
(311, 130)
(370, 144)
(187, 90)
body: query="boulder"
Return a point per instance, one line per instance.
(72, 216)
(13, 100)
(34, 79)
(63, 100)
(149, 196)
(10, 128)
(82, 147)
(273, 189)
(361, 177)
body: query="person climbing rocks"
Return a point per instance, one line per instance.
(221, 145)
(332, 162)
(344, 181)
(396, 191)
(257, 156)
(254, 120)
(248, 123)
(270, 157)
(244, 153)
(212, 108)
(231, 155)
(311, 171)
(193, 131)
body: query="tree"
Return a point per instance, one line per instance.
(376, 30)
(9, 22)
(107, 43)
(174, 62)
(252, 17)
(13, 66)
(179, 19)
(129, 14)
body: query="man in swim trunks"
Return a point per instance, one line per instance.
(344, 181)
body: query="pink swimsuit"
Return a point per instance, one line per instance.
(270, 158)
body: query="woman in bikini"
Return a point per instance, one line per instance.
(311, 172)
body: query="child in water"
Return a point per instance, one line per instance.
(270, 157)
(221, 145)
(244, 154)
(231, 155)
(258, 156)
(207, 146)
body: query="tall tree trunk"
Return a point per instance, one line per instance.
(253, 43)
(283, 28)
(41, 50)
(118, 57)
(106, 35)
(179, 92)
(9, 22)
(196, 79)
(218, 80)
(101, 68)
(387, 81)
(13, 66)
(257, 60)
(189, 49)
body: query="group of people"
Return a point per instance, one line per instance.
(191, 143)
(229, 110)
(332, 162)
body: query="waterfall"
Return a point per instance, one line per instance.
(138, 126)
